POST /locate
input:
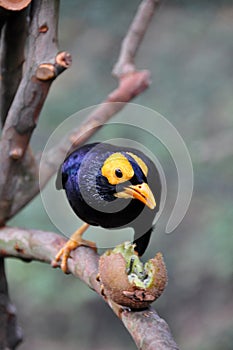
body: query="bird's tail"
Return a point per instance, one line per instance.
(142, 241)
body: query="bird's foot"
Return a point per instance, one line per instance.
(64, 253)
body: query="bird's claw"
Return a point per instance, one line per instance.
(64, 253)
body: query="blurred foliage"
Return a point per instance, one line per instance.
(188, 49)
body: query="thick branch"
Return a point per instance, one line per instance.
(10, 333)
(3, 16)
(148, 330)
(12, 58)
(32, 92)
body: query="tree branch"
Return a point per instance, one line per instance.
(31, 94)
(133, 39)
(148, 330)
(13, 36)
(10, 332)
(12, 58)
(130, 84)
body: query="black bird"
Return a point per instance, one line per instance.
(111, 187)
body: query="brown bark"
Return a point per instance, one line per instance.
(10, 332)
(22, 97)
(149, 331)
(31, 94)
(12, 58)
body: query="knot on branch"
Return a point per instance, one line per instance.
(64, 59)
(131, 85)
(16, 153)
(43, 28)
(45, 71)
(49, 71)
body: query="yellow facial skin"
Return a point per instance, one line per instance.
(118, 161)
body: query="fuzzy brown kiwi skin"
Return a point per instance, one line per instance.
(114, 279)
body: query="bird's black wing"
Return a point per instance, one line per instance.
(71, 162)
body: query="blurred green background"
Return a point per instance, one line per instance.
(189, 51)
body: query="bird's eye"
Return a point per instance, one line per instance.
(118, 173)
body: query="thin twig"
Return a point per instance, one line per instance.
(148, 330)
(133, 39)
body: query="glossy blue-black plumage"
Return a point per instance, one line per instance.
(92, 197)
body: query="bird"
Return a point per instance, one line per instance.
(112, 187)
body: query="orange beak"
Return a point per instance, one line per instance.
(140, 192)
